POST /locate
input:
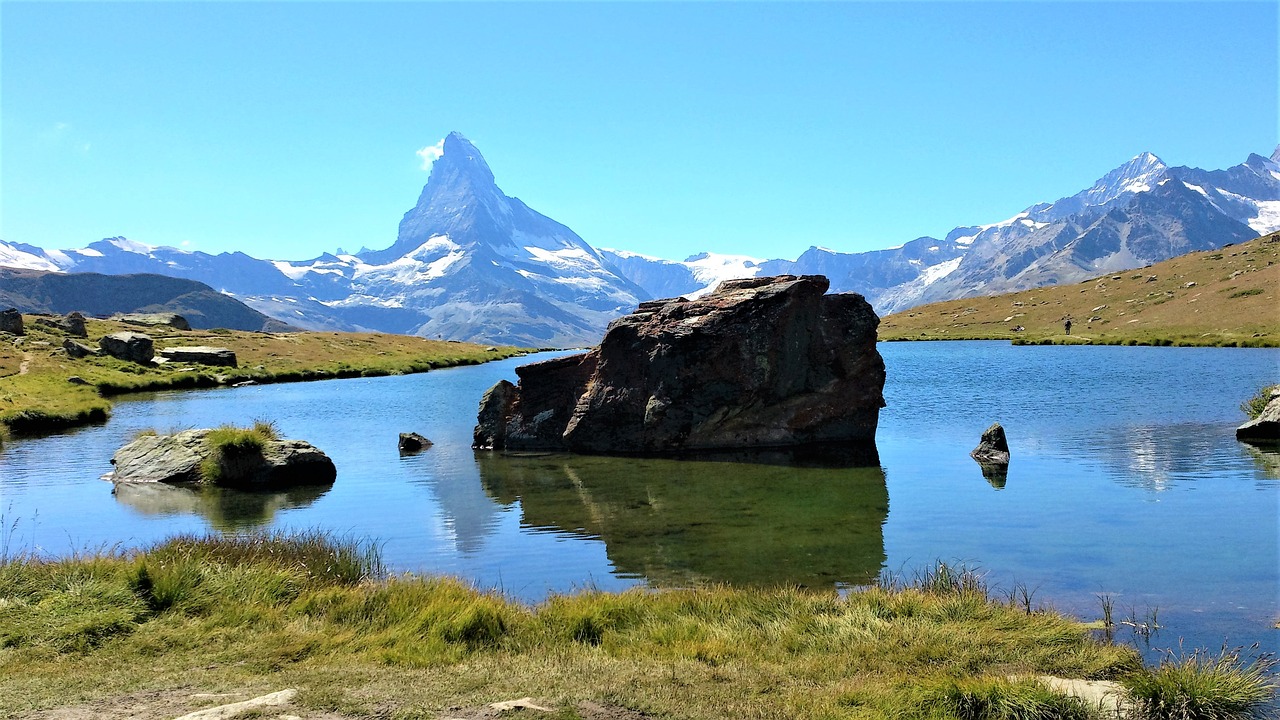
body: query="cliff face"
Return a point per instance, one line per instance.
(758, 363)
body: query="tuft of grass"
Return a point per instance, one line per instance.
(1254, 406)
(1003, 699)
(229, 444)
(1204, 686)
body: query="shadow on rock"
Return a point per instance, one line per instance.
(224, 508)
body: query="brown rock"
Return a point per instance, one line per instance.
(758, 363)
(412, 442)
(77, 350)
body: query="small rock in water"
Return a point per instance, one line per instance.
(993, 449)
(412, 442)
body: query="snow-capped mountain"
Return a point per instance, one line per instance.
(1139, 213)
(469, 263)
(472, 263)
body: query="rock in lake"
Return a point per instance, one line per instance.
(178, 458)
(768, 362)
(11, 321)
(202, 354)
(993, 449)
(412, 442)
(1266, 427)
(131, 346)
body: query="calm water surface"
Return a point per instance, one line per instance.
(1126, 481)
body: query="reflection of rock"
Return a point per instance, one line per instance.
(759, 362)
(995, 473)
(177, 458)
(226, 509)
(1267, 458)
(1264, 429)
(684, 522)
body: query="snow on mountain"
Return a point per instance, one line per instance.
(470, 262)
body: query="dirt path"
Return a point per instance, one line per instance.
(25, 365)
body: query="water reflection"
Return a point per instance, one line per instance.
(685, 522)
(1159, 457)
(1266, 458)
(225, 509)
(996, 474)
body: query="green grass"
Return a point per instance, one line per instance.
(1254, 406)
(1203, 686)
(43, 399)
(320, 614)
(228, 443)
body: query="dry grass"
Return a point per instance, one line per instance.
(1220, 297)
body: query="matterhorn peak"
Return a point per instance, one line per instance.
(460, 158)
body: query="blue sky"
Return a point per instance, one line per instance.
(288, 129)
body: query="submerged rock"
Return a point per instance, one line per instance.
(758, 363)
(178, 458)
(1266, 427)
(993, 449)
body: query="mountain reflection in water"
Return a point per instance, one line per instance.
(225, 509)
(688, 522)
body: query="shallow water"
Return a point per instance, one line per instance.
(1126, 482)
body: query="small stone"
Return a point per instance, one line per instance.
(77, 380)
(412, 442)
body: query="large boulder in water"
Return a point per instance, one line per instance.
(178, 458)
(758, 363)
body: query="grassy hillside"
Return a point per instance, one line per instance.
(36, 395)
(1219, 297)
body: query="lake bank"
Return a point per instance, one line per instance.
(220, 615)
(37, 394)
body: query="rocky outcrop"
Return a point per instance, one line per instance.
(758, 363)
(11, 321)
(72, 324)
(178, 458)
(1264, 429)
(412, 442)
(77, 350)
(202, 354)
(172, 320)
(131, 346)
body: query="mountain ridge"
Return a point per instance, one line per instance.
(472, 263)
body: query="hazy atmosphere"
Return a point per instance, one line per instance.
(288, 129)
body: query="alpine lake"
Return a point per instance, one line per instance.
(1126, 486)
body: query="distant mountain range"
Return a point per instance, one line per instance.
(471, 263)
(40, 291)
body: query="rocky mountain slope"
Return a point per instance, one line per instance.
(471, 263)
(38, 291)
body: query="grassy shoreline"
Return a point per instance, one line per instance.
(1217, 298)
(38, 395)
(226, 614)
